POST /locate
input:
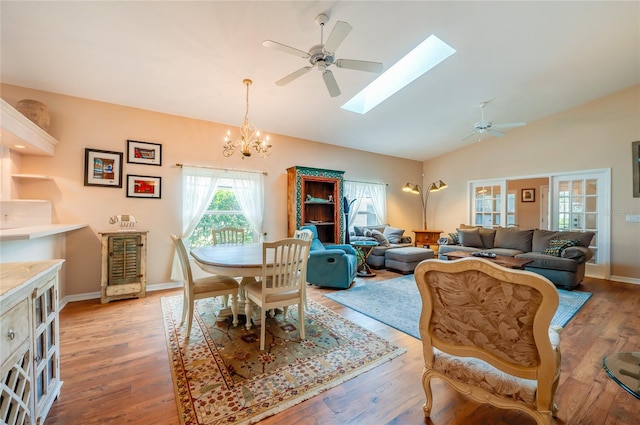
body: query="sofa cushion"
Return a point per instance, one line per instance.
(557, 246)
(316, 245)
(470, 237)
(393, 234)
(542, 261)
(455, 238)
(541, 238)
(379, 237)
(508, 252)
(409, 254)
(487, 236)
(513, 239)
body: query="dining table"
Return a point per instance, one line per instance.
(235, 260)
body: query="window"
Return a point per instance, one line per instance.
(224, 210)
(368, 203)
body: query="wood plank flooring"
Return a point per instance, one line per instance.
(115, 370)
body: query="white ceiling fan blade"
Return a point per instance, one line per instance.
(510, 125)
(337, 36)
(359, 65)
(330, 82)
(284, 48)
(295, 74)
(465, 138)
(496, 133)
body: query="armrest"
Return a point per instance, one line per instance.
(578, 253)
(327, 253)
(347, 249)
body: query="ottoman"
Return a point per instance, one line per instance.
(405, 260)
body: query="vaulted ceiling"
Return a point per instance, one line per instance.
(529, 59)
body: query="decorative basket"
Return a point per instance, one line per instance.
(36, 111)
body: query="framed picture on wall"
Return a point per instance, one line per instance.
(143, 186)
(635, 146)
(528, 195)
(102, 168)
(144, 153)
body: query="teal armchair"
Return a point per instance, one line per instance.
(334, 266)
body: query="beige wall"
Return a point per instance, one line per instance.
(80, 123)
(596, 135)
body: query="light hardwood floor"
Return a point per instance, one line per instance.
(115, 370)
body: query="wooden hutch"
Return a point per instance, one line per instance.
(315, 197)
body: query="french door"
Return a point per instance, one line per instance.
(578, 201)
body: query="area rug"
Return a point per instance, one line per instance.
(221, 376)
(397, 303)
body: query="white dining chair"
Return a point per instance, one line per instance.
(205, 287)
(305, 235)
(282, 282)
(228, 235)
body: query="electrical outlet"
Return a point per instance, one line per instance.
(633, 218)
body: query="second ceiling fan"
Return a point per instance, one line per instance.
(322, 56)
(484, 127)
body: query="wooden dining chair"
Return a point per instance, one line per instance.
(228, 235)
(282, 282)
(305, 235)
(205, 287)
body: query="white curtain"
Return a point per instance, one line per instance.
(248, 189)
(199, 186)
(376, 191)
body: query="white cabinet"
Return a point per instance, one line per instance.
(29, 337)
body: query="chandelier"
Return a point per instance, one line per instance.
(249, 137)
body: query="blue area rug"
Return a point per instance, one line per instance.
(397, 303)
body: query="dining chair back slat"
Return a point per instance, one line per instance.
(228, 235)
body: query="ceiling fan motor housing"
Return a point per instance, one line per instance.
(317, 56)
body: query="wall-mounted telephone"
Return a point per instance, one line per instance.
(124, 221)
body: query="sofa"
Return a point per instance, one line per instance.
(560, 256)
(388, 237)
(332, 266)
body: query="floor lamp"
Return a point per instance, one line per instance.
(424, 196)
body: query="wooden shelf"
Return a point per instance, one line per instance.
(31, 176)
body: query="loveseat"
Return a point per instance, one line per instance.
(560, 256)
(388, 237)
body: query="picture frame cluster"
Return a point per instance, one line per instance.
(105, 169)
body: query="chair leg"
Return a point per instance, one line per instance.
(234, 308)
(189, 319)
(263, 328)
(301, 320)
(426, 384)
(225, 301)
(185, 308)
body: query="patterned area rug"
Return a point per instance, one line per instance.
(397, 303)
(222, 377)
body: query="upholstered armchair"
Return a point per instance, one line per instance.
(334, 266)
(486, 331)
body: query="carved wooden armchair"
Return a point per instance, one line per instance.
(486, 331)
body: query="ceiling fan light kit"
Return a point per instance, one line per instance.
(249, 136)
(322, 56)
(487, 127)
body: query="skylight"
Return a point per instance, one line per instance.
(425, 56)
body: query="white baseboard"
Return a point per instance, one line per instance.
(625, 279)
(94, 295)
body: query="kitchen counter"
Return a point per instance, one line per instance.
(34, 232)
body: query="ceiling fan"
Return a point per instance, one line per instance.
(487, 127)
(322, 56)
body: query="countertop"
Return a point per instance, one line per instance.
(33, 232)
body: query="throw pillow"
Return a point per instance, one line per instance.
(393, 234)
(379, 237)
(556, 246)
(470, 237)
(487, 236)
(455, 238)
(511, 238)
(359, 231)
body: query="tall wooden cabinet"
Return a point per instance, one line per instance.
(29, 343)
(315, 197)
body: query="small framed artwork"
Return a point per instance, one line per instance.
(635, 146)
(528, 195)
(144, 153)
(102, 168)
(143, 186)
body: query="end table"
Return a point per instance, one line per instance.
(364, 248)
(427, 238)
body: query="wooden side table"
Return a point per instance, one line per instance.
(427, 238)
